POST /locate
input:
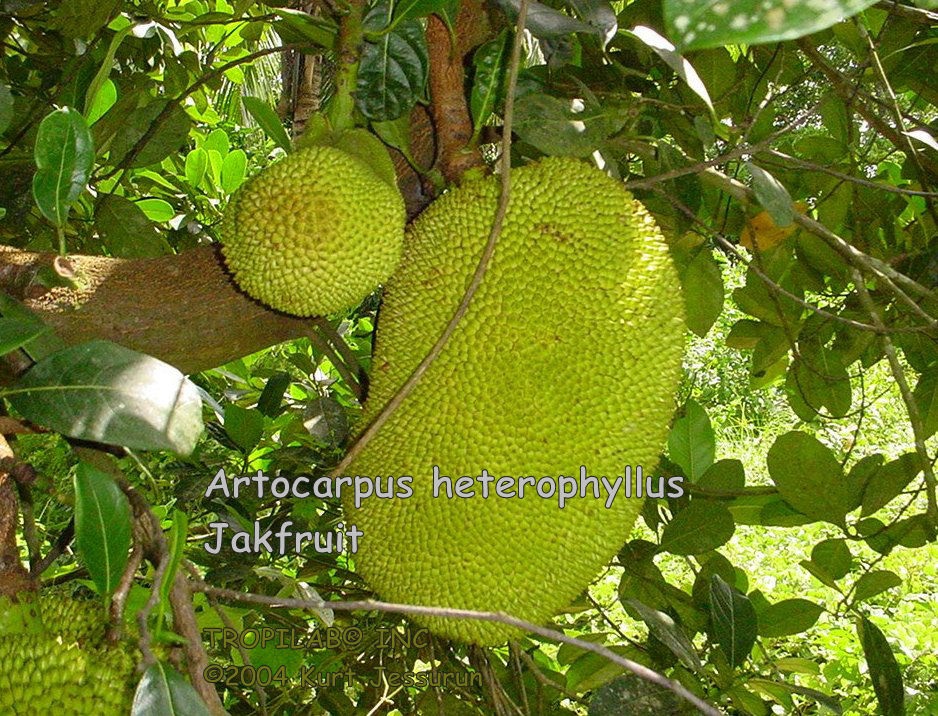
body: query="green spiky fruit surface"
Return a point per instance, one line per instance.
(81, 621)
(41, 675)
(569, 355)
(313, 233)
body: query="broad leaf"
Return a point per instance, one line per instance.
(884, 671)
(103, 392)
(102, 526)
(543, 21)
(732, 621)
(691, 443)
(64, 156)
(699, 23)
(163, 692)
(833, 556)
(150, 134)
(703, 292)
(700, 527)
(488, 80)
(808, 476)
(268, 120)
(873, 583)
(668, 632)
(789, 616)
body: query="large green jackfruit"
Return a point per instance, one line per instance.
(67, 670)
(568, 356)
(315, 232)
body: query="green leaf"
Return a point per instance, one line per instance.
(667, 52)
(414, 9)
(859, 477)
(888, 482)
(818, 379)
(732, 621)
(126, 231)
(150, 134)
(196, 165)
(176, 545)
(887, 679)
(217, 140)
(691, 443)
(83, 18)
(703, 292)
(43, 342)
(808, 477)
(6, 108)
(789, 616)
(833, 556)
(233, 170)
(103, 392)
(92, 100)
(102, 526)
(817, 696)
(104, 99)
(697, 24)
(772, 195)
(64, 157)
(392, 74)
(668, 632)
(488, 79)
(926, 398)
(298, 27)
(268, 120)
(163, 692)
(271, 397)
(726, 475)
(244, 426)
(560, 126)
(16, 333)
(632, 695)
(700, 527)
(156, 209)
(873, 583)
(543, 21)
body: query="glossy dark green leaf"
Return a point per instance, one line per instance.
(697, 23)
(102, 526)
(244, 426)
(873, 583)
(268, 120)
(883, 669)
(732, 621)
(834, 556)
(543, 21)
(691, 443)
(789, 616)
(392, 74)
(668, 632)
(163, 692)
(150, 134)
(16, 333)
(64, 156)
(700, 527)
(298, 27)
(488, 80)
(103, 392)
(126, 231)
(271, 397)
(808, 476)
(43, 342)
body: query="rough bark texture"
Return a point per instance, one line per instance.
(183, 309)
(13, 575)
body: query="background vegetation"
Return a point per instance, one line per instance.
(790, 153)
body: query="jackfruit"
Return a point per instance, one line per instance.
(81, 621)
(569, 356)
(41, 674)
(315, 232)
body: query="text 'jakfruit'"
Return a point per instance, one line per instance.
(315, 232)
(569, 355)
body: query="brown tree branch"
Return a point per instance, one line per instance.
(183, 309)
(449, 110)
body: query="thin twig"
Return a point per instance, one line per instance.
(323, 345)
(58, 549)
(119, 598)
(481, 268)
(414, 610)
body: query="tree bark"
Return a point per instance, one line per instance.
(183, 309)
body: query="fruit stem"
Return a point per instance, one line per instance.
(349, 46)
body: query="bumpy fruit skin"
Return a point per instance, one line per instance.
(569, 355)
(313, 233)
(81, 621)
(42, 675)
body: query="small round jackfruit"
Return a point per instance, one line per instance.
(569, 356)
(314, 233)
